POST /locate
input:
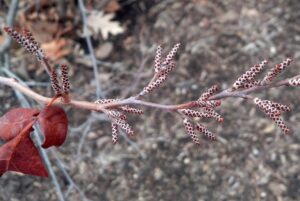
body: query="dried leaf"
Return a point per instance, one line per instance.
(12, 122)
(57, 49)
(54, 124)
(112, 6)
(21, 155)
(100, 22)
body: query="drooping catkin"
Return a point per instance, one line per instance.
(208, 93)
(189, 127)
(124, 126)
(114, 134)
(157, 59)
(206, 133)
(275, 71)
(272, 109)
(54, 82)
(246, 80)
(294, 82)
(65, 79)
(27, 41)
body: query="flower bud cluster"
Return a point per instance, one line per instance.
(118, 118)
(161, 69)
(273, 111)
(248, 77)
(27, 41)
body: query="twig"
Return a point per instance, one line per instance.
(9, 21)
(37, 135)
(132, 100)
(91, 50)
(85, 131)
(206, 103)
(137, 78)
(72, 184)
(37, 84)
(134, 145)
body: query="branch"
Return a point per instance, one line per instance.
(9, 22)
(203, 107)
(134, 100)
(99, 92)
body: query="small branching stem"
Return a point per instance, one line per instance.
(244, 93)
(245, 85)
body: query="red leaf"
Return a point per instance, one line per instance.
(54, 125)
(21, 155)
(12, 122)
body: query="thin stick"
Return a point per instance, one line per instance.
(132, 100)
(61, 166)
(9, 22)
(37, 135)
(91, 50)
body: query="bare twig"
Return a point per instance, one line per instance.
(206, 103)
(72, 184)
(137, 78)
(37, 135)
(91, 50)
(9, 22)
(84, 132)
(132, 100)
(134, 145)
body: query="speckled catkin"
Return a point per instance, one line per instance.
(213, 103)
(191, 131)
(157, 60)
(211, 91)
(132, 110)
(154, 85)
(27, 41)
(105, 101)
(294, 82)
(272, 110)
(278, 106)
(195, 113)
(248, 85)
(209, 135)
(167, 69)
(246, 80)
(214, 114)
(171, 54)
(65, 78)
(266, 107)
(115, 114)
(124, 126)
(274, 72)
(280, 123)
(207, 104)
(114, 135)
(208, 112)
(54, 83)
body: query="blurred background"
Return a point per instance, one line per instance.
(110, 47)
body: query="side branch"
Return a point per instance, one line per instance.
(190, 112)
(132, 100)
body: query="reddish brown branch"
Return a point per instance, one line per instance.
(244, 93)
(203, 107)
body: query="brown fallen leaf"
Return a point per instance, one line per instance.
(57, 48)
(112, 6)
(2, 38)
